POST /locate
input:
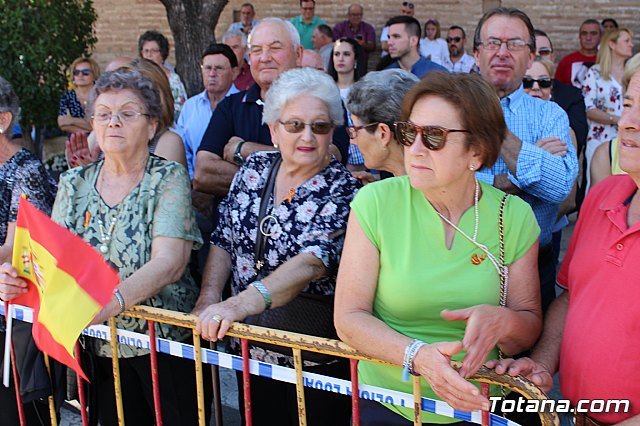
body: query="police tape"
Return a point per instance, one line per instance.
(276, 372)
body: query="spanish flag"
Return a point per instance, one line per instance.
(69, 282)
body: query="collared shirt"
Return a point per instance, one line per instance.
(420, 68)
(244, 80)
(193, 121)
(600, 344)
(545, 179)
(464, 64)
(240, 27)
(366, 30)
(241, 115)
(306, 30)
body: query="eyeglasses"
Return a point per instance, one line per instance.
(150, 51)
(353, 130)
(218, 69)
(545, 51)
(124, 117)
(513, 44)
(433, 137)
(297, 126)
(85, 71)
(454, 39)
(543, 82)
(408, 4)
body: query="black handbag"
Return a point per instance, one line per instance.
(306, 314)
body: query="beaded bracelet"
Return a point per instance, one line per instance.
(410, 353)
(120, 300)
(264, 292)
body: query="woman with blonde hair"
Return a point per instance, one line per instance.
(83, 72)
(602, 90)
(432, 46)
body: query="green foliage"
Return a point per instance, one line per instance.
(38, 40)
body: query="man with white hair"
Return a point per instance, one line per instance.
(236, 129)
(237, 41)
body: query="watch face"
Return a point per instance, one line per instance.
(237, 158)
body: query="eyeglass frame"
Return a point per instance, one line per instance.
(423, 135)
(548, 82)
(485, 44)
(311, 126)
(118, 115)
(455, 39)
(218, 69)
(352, 131)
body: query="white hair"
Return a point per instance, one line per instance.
(235, 33)
(299, 82)
(293, 33)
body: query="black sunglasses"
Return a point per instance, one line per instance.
(455, 39)
(85, 71)
(408, 4)
(297, 126)
(433, 137)
(543, 82)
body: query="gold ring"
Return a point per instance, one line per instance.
(217, 318)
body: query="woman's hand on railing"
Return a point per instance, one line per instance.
(214, 321)
(536, 372)
(11, 286)
(433, 362)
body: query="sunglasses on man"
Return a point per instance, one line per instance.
(543, 82)
(454, 39)
(408, 4)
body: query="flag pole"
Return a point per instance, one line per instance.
(8, 315)
(52, 405)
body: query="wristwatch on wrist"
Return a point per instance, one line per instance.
(237, 155)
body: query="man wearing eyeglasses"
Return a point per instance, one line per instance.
(537, 159)
(306, 22)
(573, 68)
(406, 9)
(458, 60)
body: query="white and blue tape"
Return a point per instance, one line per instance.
(276, 372)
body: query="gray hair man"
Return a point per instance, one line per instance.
(238, 42)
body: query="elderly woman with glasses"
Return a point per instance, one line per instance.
(279, 240)
(72, 115)
(374, 104)
(422, 280)
(135, 209)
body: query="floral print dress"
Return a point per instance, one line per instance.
(605, 95)
(314, 221)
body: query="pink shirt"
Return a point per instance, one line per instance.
(601, 342)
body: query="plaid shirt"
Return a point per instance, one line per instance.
(545, 179)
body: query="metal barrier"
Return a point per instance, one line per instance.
(298, 343)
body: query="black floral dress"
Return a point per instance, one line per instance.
(314, 221)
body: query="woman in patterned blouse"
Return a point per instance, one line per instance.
(305, 216)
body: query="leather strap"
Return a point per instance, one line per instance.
(267, 190)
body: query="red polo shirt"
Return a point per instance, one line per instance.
(600, 354)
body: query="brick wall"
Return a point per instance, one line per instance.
(120, 22)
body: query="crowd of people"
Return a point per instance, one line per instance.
(414, 211)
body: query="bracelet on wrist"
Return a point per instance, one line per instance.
(410, 353)
(264, 292)
(120, 300)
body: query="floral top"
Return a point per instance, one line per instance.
(69, 101)
(178, 92)
(23, 173)
(314, 221)
(160, 205)
(605, 95)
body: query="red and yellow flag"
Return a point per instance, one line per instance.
(69, 282)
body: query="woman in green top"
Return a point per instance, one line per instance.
(135, 209)
(418, 282)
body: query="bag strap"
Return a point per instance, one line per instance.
(264, 201)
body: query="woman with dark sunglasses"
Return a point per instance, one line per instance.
(82, 73)
(420, 278)
(279, 239)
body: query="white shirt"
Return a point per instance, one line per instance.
(436, 50)
(464, 64)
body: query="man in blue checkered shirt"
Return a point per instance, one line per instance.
(537, 160)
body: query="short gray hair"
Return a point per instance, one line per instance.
(377, 97)
(122, 79)
(9, 102)
(299, 82)
(293, 33)
(235, 33)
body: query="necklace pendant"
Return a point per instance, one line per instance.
(104, 249)
(476, 260)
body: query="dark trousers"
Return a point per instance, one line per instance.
(375, 414)
(275, 403)
(547, 271)
(177, 391)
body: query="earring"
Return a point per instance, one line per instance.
(472, 167)
(275, 145)
(1, 130)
